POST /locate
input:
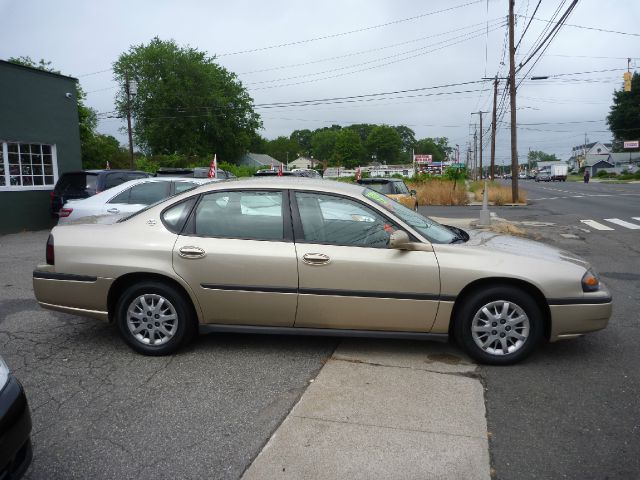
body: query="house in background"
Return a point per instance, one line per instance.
(258, 160)
(303, 162)
(580, 153)
(39, 140)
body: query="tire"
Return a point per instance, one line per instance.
(174, 324)
(498, 342)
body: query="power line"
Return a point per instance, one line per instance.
(592, 28)
(335, 35)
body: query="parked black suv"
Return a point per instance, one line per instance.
(86, 183)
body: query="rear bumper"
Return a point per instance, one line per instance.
(75, 294)
(15, 431)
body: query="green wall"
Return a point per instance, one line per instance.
(34, 108)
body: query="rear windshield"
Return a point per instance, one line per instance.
(385, 188)
(76, 182)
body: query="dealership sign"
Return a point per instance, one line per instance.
(632, 144)
(422, 159)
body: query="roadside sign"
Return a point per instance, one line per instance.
(632, 144)
(422, 159)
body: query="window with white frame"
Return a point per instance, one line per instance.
(28, 166)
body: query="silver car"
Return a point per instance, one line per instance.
(314, 257)
(127, 198)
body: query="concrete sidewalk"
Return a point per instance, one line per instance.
(384, 409)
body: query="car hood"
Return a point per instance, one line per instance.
(523, 247)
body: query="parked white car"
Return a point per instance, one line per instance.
(128, 197)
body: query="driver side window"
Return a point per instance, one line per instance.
(336, 220)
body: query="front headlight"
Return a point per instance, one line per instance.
(590, 282)
(4, 374)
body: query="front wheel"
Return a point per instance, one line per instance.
(154, 318)
(498, 325)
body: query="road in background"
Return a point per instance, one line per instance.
(571, 410)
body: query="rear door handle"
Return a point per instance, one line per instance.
(113, 210)
(315, 259)
(191, 252)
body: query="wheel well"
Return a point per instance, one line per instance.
(532, 290)
(125, 281)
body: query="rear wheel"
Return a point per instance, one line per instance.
(498, 325)
(154, 318)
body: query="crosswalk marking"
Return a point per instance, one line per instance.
(629, 225)
(596, 225)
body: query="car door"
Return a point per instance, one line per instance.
(136, 198)
(237, 253)
(349, 279)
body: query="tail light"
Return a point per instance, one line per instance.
(65, 212)
(51, 260)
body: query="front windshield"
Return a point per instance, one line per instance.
(432, 230)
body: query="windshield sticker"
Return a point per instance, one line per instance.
(383, 200)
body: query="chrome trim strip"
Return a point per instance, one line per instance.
(328, 332)
(63, 276)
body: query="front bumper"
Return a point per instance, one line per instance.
(15, 431)
(576, 317)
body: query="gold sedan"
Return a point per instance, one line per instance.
(303, 256)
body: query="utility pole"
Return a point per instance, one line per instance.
(512, 94)
(493, 128)
(127, 87)
(475, 154)
(480, 113)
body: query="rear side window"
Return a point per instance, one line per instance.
(184, 186)
(385, 188)
(175, 216)
(76, 182)
(252, 215)
(401, 188)
(148, 193)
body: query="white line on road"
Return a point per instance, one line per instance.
(596, 225)
(629, 225)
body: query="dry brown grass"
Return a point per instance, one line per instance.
(508, 229)
(498, 194)
(440, 192)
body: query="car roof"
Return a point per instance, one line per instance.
(285, 182)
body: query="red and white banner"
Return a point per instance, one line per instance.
(358, 174)
(280, 170)
(213, 169)
(423, 159)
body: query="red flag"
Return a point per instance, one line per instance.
(358, 174)
(280, 170)
(213, 169)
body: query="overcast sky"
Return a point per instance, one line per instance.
(373, 46)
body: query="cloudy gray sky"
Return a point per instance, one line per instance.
(287, 50)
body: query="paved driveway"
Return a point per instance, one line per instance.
(102, 411)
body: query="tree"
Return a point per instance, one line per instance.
(303, 139)
(363, 130)
(323, 143)
(282, 149)
(185, 103)
(385, 143)
(407, 136)
(436, 147)
(536, 156)
(349, 149)
(100, 149)
(624, 114)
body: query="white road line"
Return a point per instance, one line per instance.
(596, 225)
(629, 225)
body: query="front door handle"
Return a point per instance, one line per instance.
(191, 252)
(113, 210)
(315, 259)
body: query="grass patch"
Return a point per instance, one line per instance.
(498, 194)
(436, 191)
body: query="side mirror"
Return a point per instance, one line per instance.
(413, 193)
(399, 240)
